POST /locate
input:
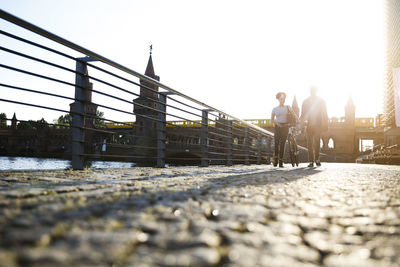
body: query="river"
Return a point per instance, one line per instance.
(27, 163)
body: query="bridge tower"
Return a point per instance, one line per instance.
(89, 107)
(343, 135)
(346, 143)
(145, 128)
(295, 106)
(14, 122)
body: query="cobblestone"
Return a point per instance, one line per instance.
(334, 215)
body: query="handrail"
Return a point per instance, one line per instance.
(29, 26)
(202, 135)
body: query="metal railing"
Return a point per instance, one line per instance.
(91, 93)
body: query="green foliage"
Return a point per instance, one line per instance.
(25, 125)
(67, 120)
(64, 120)
(41, 124)
(98, 123)
(32, 125)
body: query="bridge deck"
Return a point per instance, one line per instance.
(338, 214)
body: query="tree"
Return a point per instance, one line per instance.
(99, 123)
(64, 120)
(67, 120)
(3, 120)
(32, 125)
(42, 123)
(25, 125)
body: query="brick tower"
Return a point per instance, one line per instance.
(145, 128)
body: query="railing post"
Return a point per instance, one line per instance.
(161, 131)
(204, 138)
(78, 113)
(246, 145)
(229, 141)
(259, 148)
(78, 119)
(269, 142)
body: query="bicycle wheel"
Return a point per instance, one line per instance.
(291, 152)
(295, 152)
(297, 158)
(294, 149)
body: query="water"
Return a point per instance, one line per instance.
(25, 163)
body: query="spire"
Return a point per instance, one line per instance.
(150, 69)
(148, 89)
(14, 122)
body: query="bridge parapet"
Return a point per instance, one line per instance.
(359, 122)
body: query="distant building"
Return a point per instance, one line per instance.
(350, 113)
(89, 108)
(14, 122)
(145, 108)
(392, 134)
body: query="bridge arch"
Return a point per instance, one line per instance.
(331, 143)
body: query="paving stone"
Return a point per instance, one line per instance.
(334, 215)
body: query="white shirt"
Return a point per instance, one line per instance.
(280, 114)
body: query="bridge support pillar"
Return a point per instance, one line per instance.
(204, 138)
(246, 145)
(229, 141)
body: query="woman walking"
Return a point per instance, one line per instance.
(279, 117)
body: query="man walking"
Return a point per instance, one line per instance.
(315, 117)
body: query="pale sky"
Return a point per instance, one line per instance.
(232, 55)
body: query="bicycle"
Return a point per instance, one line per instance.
(293, 149)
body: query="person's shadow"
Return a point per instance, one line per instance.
(208, 188)
(269, 176)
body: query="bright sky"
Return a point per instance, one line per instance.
(232, 55)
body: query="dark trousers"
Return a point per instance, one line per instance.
(280, 136)
(313, 142)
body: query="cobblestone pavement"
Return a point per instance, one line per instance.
(334, 215)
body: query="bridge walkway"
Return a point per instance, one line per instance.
(336, 215)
